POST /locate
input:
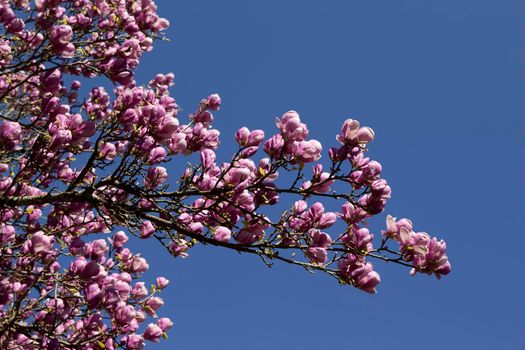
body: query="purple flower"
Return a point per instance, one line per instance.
(164, 323)
(353, 135)
(320, 185)
(306, 151)
(99, 248)
(320, 241)
(41, 242)
(108, 151)
(146, 229)
(152, 305)
(139, 290)
(156, 176)
(178, 143)
(222, 234)
(51, 80)
(317, 255)
(214, 102)
(130, 49)
(129, 116)
(274, 146)
(204, 117)
(250, 234)
(119, 239)
(135, 342)
(10, 134)
(327, 220)
(291, 127)
(139, 264)
(7, 233)
(393, 227)
(15, 26)
(91, 270)
(241, 136)
(153, 333)
(156, 155)
(162, 282)
(60, 38)
(165, 129)
(207, 158)
(358, 239)
(359, 273)
(255, 138)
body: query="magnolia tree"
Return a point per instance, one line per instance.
(81, 173)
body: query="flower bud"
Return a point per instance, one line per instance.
(162, 282)
(164, 323)
(153, 333)
(222, 234)
(214, 102)
(146, 229)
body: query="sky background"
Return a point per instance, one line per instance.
(442, 84)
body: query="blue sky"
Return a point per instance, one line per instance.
(442, 84)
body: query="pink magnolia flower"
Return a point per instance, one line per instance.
(255, 138)
(164, 323)
(139, 290)
(60, 37)
(207, 158)
(359, 239)
(135, 342)
(351, 213)
(178, 143)
(162, 282)
(146, 229)
(166, 127)
(434, 260)
(153, 333)
(51, 80)
(10, 134)
(91, 270)
(204, 117)
(15, 26)
(156, 155)
(152, 305)
(99, 248)
(320, 241)
(139, 264)
(156, 176)
(108, 151)
(274, 146)
(319, 185)
(359, 273)
(352, 134)
(306, 151)
(246, 236)
(130, 49)
(41, 243)
(222, 234)
(119, 239)
(317, 255)
(241, 136)
(291, 127)
(393, 227)
(214, 102)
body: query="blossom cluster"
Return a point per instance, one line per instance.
(84, 170)
(94, 300)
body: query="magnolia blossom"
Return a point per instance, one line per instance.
(84, 172)
(352, 134)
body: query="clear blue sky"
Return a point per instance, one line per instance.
(442, 84)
